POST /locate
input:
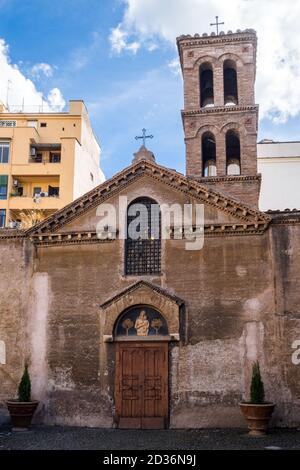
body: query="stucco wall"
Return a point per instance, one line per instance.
(16, 268)
(280, 183)
(241, 303)
(86, 161)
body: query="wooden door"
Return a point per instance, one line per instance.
(141, 385)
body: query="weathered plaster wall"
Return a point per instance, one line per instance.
(15, 267)
(230, 321)
(286, 326)
(241, 303)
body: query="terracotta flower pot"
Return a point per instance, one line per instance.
(257, 417)
(21, 413)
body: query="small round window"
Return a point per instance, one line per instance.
(141, 321)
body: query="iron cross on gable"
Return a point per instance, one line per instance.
(144, 136)
(217, 24)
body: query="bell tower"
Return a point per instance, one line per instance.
(220, 116)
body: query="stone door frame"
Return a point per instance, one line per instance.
(141, 293)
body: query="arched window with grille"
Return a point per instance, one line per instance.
(206, 85)
(230, 83)
(208, 147)
(233, 153)
(143, 240)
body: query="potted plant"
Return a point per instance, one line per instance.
(257, 412)
(22, 409)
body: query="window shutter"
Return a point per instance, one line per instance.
(3, 180)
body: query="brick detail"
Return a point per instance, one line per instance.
(240, 48)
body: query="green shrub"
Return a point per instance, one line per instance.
(24, 389)
(257, 392)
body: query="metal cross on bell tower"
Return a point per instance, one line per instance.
(144, 136)
(217, 24)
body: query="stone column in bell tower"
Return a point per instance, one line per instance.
(220, 117)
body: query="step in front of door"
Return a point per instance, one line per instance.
(142, 423)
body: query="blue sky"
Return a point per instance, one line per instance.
(133, 83)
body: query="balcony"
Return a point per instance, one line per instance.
(19, 133)
(45, 153)
(38, 192)
(26, 202)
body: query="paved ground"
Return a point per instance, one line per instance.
(44, 437)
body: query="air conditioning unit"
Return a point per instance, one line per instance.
(16, 183)
(14, 224)
(32, 151)
(43, 194)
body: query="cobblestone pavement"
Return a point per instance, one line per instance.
(56, 437)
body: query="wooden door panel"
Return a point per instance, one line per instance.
(131, 393)
(154, 387)
(142, 385)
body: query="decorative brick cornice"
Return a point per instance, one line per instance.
(222, 38)
(240, 37)
(224, 229)
(213, 40)
(90, 237)
(218, 110)
(137, 285)
(249, 35)
(68, 238)
(286, 221)
(12, 234)
(226, 178)
(285, 217)
(143, 168)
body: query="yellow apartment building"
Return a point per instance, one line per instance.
(46, 161)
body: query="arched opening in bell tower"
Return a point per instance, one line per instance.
(230, 83)
(233, 153)
(206, 85)
(208, 145)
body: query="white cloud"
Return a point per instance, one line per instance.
(55, 99)
(20, 90)
(152, 47)
(119, 41)
(276, 22)
(38, 70)
(174, 66)
(81, 56)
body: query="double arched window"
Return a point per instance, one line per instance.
(206, 85)
(143, 237)
(209, 155)
(230, 84)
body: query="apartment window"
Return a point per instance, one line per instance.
(37, 191)
(2, 218)
(3, 186)
(4, 152)
(53, 191)
(38, 158)
(43, 124)
(54, 157)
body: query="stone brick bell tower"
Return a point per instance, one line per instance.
(220, 116)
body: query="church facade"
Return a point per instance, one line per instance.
(145, 333)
